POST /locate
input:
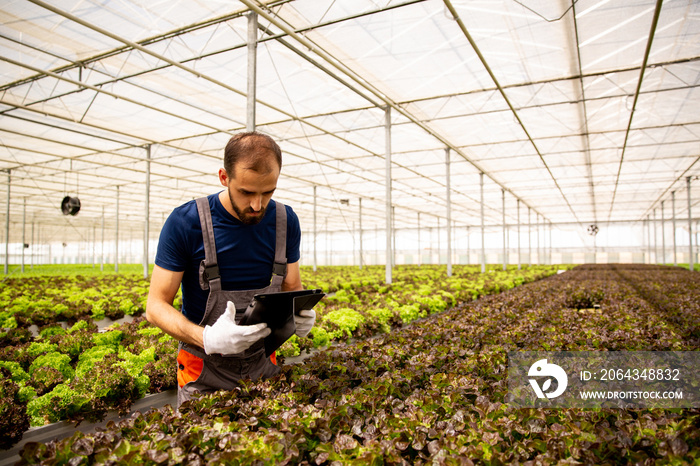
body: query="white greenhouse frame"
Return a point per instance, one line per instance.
(413, 131)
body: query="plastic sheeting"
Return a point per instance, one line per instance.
(540, 99)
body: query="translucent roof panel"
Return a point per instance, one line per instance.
(579, 112)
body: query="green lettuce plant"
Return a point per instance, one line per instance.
(433, 392)
(362, 306)
(345, 321)
(59, 403)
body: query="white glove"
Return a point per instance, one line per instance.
(226, 337)
(304, 321)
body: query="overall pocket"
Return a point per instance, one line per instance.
(189, 367)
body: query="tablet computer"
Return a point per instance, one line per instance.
(277, 311)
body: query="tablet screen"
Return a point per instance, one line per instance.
(277, 311)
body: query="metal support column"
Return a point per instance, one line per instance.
(393, 236)
(503, 205)
(663, 235)
(518, 235)
(673, 216)
(315, 231)
(252, 69)
(420, 252)
(644, 242)
(469, 253)
(147, 211)
(329, 257)
(539, 257)
(387, 156)
(431, 241)
(116, 243)
(529, 238)
(595, 245)
(691, 266)
(360, 219)
(449, 213)
(102, 254)
(649, 237)
(7, 225)
(31, 266)
(483, 245)
(24, 229)
(656, 243)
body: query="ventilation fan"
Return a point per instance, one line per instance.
(70, 205)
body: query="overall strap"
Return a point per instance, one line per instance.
(279, 269)
(209, 277)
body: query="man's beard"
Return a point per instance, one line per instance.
(243, 215)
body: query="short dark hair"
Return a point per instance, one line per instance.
(254, 148)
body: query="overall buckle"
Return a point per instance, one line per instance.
(279, 268)
(211, 272)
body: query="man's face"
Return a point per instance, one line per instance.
(249, 192)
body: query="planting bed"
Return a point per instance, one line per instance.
(70, 370)
(359, 303)
(434, 391)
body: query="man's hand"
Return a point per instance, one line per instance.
(226, 337)
(304, 321)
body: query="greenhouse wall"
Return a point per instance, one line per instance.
(626, 243)
(341, 257)
(345, 257)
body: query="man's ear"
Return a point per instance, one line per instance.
(223, 177)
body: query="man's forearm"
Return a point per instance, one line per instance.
(292, 281)
(174, 323)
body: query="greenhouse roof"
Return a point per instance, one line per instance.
(584, 112)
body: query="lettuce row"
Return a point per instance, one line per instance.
(358, 303)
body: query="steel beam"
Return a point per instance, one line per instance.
(24, 225)
(642, 69)
(102, 253)
(486, 66)
(483, 242)
(449, 212)
(518, 234)
(116, 237)
(663, 235)
(673, 216)
(147, 211)
(7, 225)
(529, 238)
(360, 81)
(252, 70)
(315, 231)
(503, 204)
(420, 251)
(691, 266)
(656, 243)
(387, 181)
(360, 220)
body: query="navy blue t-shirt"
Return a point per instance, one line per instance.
(245, 253)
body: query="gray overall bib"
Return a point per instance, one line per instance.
(206, 373)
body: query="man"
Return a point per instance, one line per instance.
(223, 249)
